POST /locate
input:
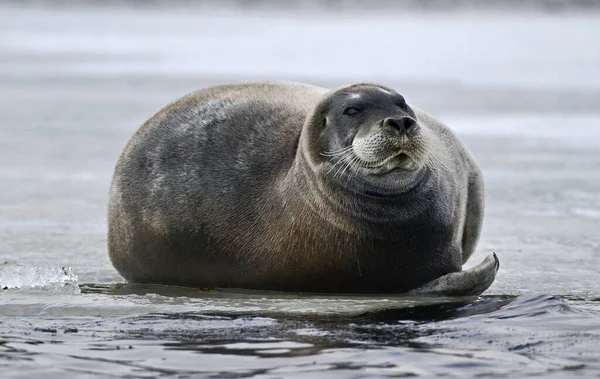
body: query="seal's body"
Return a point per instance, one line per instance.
(286, 186)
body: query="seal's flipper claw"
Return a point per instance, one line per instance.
(470, 282)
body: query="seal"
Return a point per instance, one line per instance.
(292, 187)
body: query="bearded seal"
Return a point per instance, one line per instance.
(292, 187)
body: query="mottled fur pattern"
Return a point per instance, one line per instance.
(232, 186)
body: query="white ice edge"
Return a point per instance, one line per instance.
(41, 277)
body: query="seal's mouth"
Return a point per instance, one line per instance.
(348, 160)
(382, 148)
(378, 151)
(400, 160)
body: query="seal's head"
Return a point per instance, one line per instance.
(369, 132)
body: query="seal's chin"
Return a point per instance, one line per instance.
(397, 176)
(389, 172)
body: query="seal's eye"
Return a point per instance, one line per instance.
(351, 111)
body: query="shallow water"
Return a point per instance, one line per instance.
(75, 84)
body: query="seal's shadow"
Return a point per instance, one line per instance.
(437, 312)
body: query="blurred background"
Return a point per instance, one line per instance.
(519, 81)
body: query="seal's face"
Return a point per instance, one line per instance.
(371, 130)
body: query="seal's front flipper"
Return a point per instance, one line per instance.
(464, 283)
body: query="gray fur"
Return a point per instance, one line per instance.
(232, 186)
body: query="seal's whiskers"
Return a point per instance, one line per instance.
(340, 160)
(334, 153)
(347, 163)
(433, 161)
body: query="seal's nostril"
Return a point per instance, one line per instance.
(394, 123)
(400, 124)
(408, 123)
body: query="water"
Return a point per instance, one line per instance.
(522, 90)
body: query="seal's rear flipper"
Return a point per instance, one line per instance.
(465, 283)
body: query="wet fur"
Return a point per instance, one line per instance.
(227, 187)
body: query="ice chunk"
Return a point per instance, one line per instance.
(51, 277)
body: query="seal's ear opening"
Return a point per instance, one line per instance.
(313, 136)
(322, 110)
(318, 118)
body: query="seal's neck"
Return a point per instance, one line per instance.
(343, 201)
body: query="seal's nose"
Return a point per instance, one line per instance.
(403, 124)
